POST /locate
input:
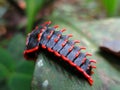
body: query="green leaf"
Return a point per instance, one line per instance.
(49, 73)
(16, 46)
(14, 69)
(32, 7)
(19, 81)
(3, 72)
(6, 59)
(4, 42)
(25, 67)
(111, 7)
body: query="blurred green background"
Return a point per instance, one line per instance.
(91, 21)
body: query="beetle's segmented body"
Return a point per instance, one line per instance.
(53, 41)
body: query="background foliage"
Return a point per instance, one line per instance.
(83, 18)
